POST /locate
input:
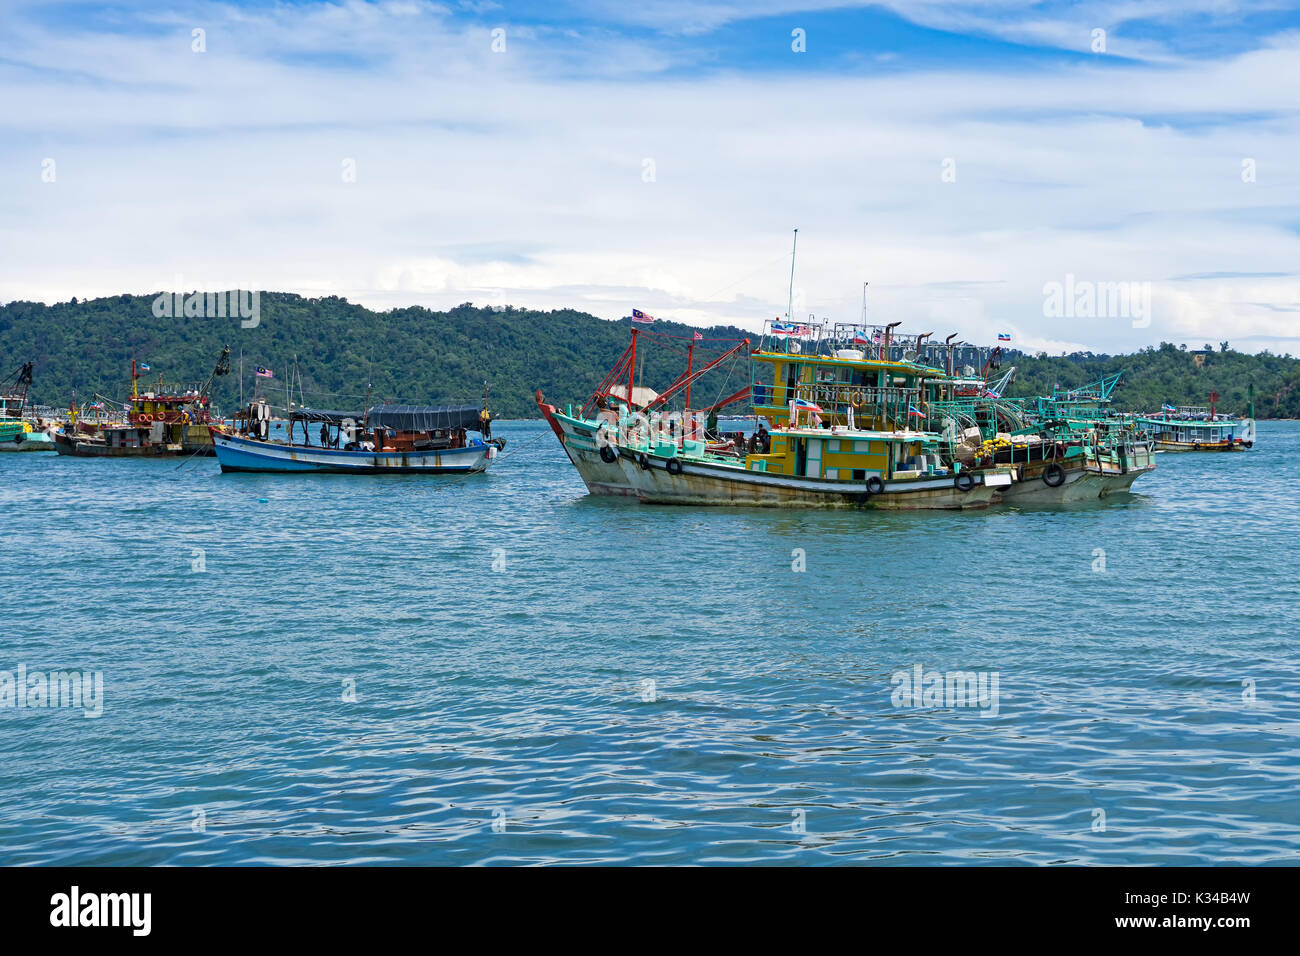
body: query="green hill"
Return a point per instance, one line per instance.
(418, 355)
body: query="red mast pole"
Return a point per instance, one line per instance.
(631, 369)
(690, 353)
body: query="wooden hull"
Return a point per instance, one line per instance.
(1079, 485)
(235, 454)
(1235, 445)
(578, 439)
(83, 446)
(705, 483)
(31, 441)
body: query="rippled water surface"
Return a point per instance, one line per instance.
(501, 632)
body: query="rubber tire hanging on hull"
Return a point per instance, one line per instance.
(874, 485)
(1053, 475)
(644, 461)
(674, 466)
(963, 482)
(608, 455)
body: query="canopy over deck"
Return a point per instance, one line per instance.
(423, 418)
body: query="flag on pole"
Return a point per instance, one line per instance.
(264, 372)
(144, 368)
(810, 406)
(1004, 336)
(1168, 408)
(697, 337)
(913, 410)
(639, 316)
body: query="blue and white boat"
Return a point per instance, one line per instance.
(407, 439)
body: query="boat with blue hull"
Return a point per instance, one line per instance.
(399, 439)
(236, 453)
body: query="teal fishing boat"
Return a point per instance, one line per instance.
(18, 430)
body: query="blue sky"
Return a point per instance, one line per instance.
(961, 156)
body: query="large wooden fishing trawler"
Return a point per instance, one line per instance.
(850, 417)
(837, 432)
(159, 420)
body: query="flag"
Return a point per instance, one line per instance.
(1168, 408)
(698, 337)
(639, 316)
(787, 328)
(1004, 337)
(860, 339)
(810, 406)
(264, 372)
(913, 410)
(877, 337)
(144, 368)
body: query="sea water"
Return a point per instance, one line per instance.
(501, 669)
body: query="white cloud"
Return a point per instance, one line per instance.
(518, 177)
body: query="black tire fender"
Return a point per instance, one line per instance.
(644, 461)
(964, 481)
(608, 454)
(674, 466)
(1053, 475)
(874, 485)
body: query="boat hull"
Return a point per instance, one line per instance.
(1080, 484)
(1234, 445)
(82, 446)
(237, 454)
(31, 441)
(705, 483)
(578, 439)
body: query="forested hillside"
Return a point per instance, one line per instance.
(418, 355)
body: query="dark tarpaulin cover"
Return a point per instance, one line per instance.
(323, 415)
(423, 418)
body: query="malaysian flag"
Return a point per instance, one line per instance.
(787, 328)
(639, 316)
(264, 372)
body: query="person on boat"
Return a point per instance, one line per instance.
(764, 439)
(324, 435)
(485, 424)
(711, 426)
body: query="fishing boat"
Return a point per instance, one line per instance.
(18, 430)
(1066, 448)
(841, 433)
(159, 420)
(1200, 428)
(405, 439)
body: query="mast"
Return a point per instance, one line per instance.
(864, 304)
(789, 308)
(631, 370)
(690, 354)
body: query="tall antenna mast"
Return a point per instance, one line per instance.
(789, 309)
(864, 303)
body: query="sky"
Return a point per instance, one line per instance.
(976, 162)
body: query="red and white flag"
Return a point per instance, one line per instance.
(698, 337)
(639, 316)
(264, 372)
